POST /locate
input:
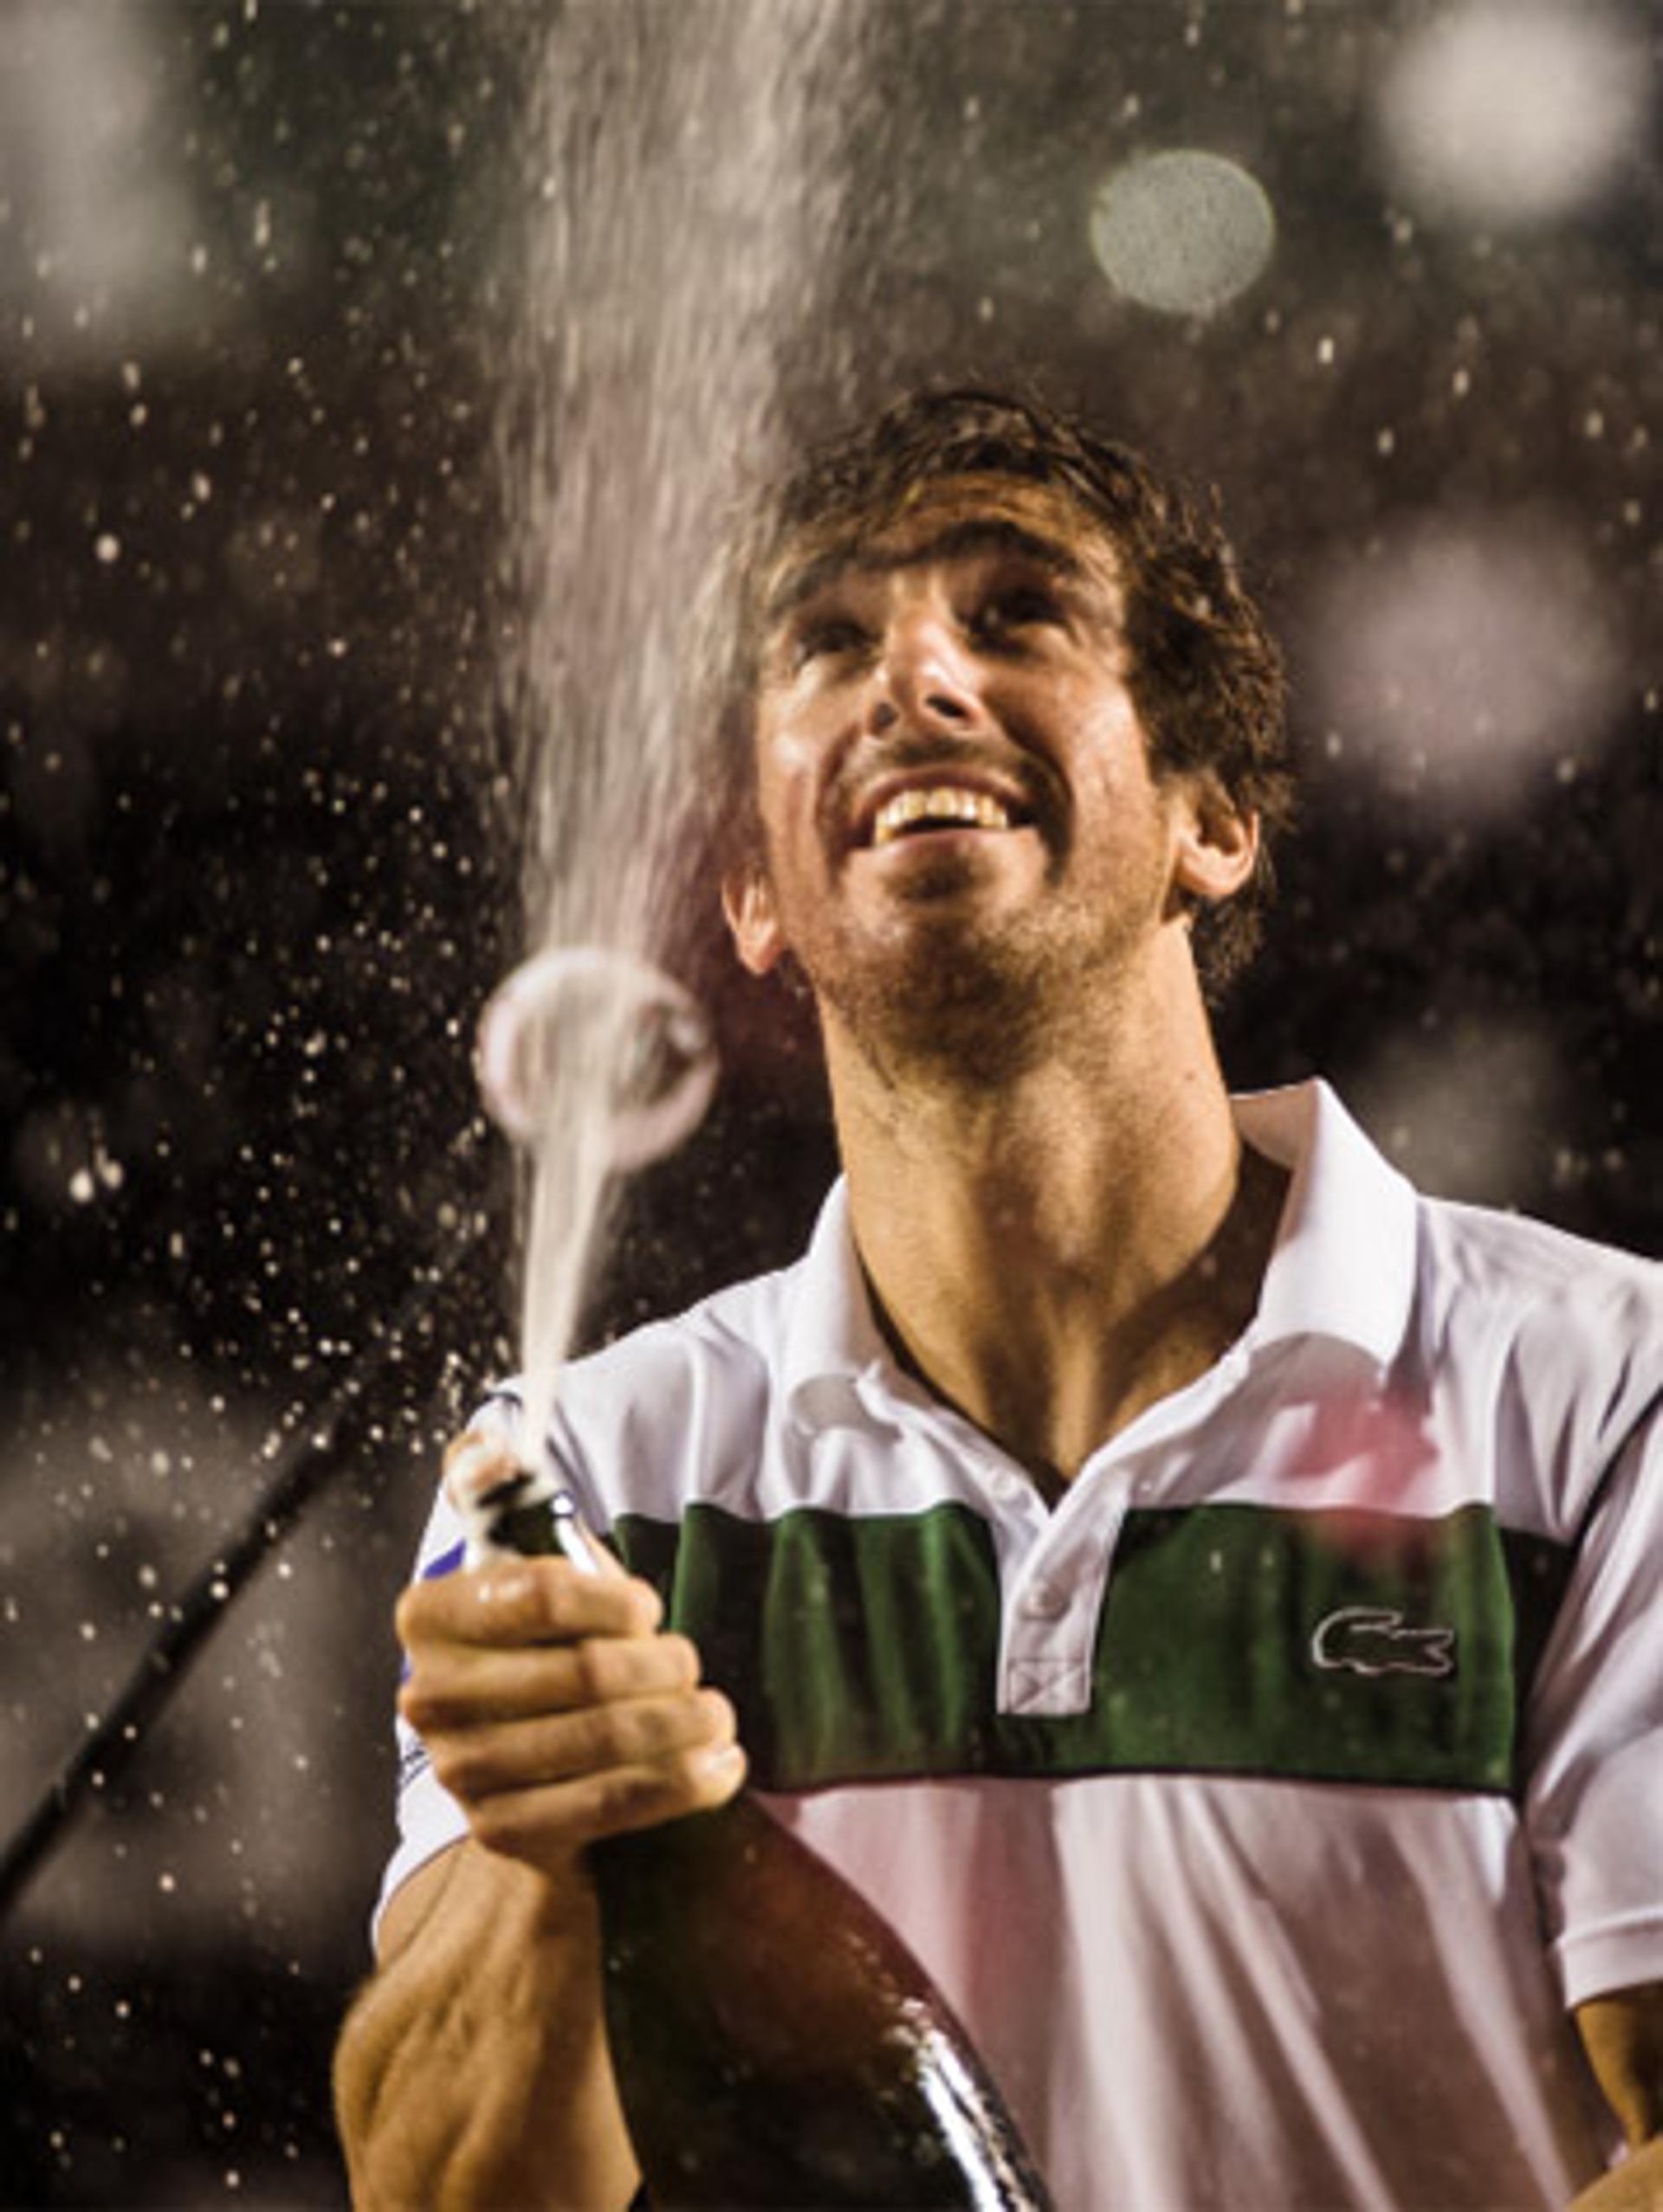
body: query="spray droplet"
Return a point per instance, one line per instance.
(638, 1033)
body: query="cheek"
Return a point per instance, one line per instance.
(795, 724)
(1120, 814)
(1108, 712)
(790, 760)
(1106, 761)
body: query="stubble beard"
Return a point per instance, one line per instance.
(962, 1010)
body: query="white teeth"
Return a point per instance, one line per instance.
(945, 802)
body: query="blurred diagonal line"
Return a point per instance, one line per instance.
(319, 1447)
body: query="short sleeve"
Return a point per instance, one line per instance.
(430, 1819)
(1594, 1739)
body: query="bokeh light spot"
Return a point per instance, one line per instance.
(1183, 232)
(1464, 653)
(1505, 116)
(1467, 1109)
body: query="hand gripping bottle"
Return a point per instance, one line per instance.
(774, 2042)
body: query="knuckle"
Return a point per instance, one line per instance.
(621, 1736)
(541, 1827)
(647, 1730)
(474, 1443)
(721, 1720)
(663, 1787)
(512, 1602)
(646, 1607)
(410, 1615)
(688, 1769)
(628, 1797)
(570, 1606)
(629, 1732)
(500, 1824)
(591, 1670)
(702, 1782)
(587, 1741)
(684, 1653)
(609, 1669)
(455, 1766)
(421, 1705)
(437, 1695)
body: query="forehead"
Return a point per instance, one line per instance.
(945, 519)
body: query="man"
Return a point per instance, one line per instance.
(1196, 1588)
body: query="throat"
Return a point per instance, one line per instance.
(1053, 1362)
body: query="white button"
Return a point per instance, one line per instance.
(1006, 1487)
(1043, 1602)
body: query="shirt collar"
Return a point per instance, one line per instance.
(1343, 1266)
(831, 1339)
(1343, 1263)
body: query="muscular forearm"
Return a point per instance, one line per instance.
(1622, 2034)
(1634, 2186)
(472, 2070)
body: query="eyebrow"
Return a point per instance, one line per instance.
(977, 534)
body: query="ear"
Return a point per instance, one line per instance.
(1217, 842)
(752, 918)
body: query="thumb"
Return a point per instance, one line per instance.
(492, 1490)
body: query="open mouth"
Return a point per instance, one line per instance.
(936, 807)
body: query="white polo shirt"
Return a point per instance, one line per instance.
(1262, 1806)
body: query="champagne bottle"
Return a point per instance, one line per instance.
(776, 2042)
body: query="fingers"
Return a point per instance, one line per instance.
(505, 1758)
(475, 1460)
(460, 1685)
(551, 1826)
(523, 1601)
(551, 1707)
(541, 1785)
(476, 1466)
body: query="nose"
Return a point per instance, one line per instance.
(922, 678)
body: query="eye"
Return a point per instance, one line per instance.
(830, 637)
(1016, 606)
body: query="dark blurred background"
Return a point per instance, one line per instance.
(1384, 273)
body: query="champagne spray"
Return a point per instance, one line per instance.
(776, 2042)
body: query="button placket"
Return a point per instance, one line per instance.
(1007, 1486)
(1053, 1602)
(1052, 1564)
(1015, 1514)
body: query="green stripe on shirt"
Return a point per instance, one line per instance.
(1234, 1638)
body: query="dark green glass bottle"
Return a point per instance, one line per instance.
(776, 2042)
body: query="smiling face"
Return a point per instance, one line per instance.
(962, 828)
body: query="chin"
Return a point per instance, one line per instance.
(944, 1009)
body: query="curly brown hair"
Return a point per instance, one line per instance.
(1205, 674)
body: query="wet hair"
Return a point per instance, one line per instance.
(1205, 673)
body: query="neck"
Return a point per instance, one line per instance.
(1053, 1255)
